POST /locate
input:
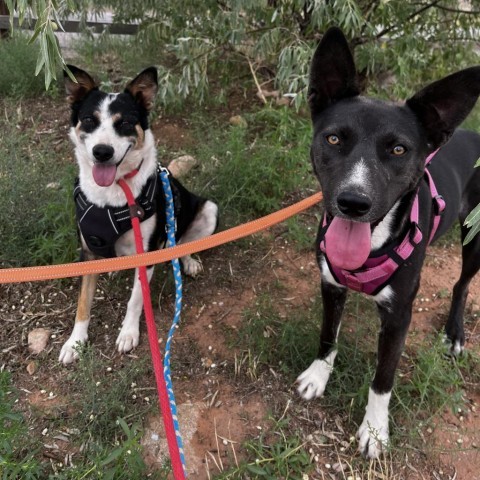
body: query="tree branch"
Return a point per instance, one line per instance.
(458, 10)
(360, 41)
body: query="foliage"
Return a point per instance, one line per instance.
(17, 448)
(17, 68)
(278, 456)
(47, 14)
(411, 40)
(36, 222)
(250, 170)
(473, 219)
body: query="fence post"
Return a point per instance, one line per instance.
(3, 11)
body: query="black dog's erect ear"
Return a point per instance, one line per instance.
(77, 91)
(443, 105)
(144, 87)
(332, 72)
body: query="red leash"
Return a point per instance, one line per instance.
(135, 215)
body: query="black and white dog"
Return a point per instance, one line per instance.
(112, 141)
(382, 207)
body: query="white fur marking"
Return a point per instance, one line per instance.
(381, 233)
(129, 335)
(312, 382)
(385, 295)
(457, 348)
(373, 432)
(327, 275)
(358, 176)
(79, 336)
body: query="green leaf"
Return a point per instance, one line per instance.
(473, 217)
(473, 231)
(252, 468)
(117, 453)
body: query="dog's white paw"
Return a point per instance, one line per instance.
(373, 432)
(191, 266)
(79, 336)
(127, 339)
(312, 382)
(456, 348)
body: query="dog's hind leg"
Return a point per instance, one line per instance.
(82, 319)
(129, 335)
(312, 382)
(470, 266)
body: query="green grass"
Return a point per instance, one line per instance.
(252, 171)
(18, 448)
(287, 345)
(107, 416)
(275, 455)
(17, 68)
(428, 380)
(37, 222)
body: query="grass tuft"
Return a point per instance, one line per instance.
(17, 68)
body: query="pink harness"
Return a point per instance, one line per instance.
(376, 271)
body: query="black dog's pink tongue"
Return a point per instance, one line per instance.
(104, 175)
(348, 243)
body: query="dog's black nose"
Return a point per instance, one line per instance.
(102, 152)
(353, 204)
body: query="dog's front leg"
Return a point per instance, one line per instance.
(312, 382)
(373, 432)
(82, 319)
(129, 335)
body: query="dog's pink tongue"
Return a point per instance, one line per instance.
(348, 243)
(104, 175)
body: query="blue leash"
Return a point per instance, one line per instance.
(177, 274)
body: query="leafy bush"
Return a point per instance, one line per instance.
(17, 68)
(195, 39)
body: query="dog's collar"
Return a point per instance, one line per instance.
(377, 270)
(133, 172)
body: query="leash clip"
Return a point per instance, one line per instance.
(164, 170)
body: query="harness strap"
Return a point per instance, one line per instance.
(378, 270)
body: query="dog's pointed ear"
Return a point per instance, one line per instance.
(76, 91)
(144, 87)
(443, 105)
(332, 73)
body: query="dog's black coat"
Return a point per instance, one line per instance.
(369, 130)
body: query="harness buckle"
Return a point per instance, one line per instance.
(415, 234)
(439, 205)
(136, 211)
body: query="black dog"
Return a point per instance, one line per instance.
(113, 141)
(382, 208)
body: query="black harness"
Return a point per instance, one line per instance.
(101, 227)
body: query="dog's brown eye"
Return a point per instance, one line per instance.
(399, 150)
(333, 139)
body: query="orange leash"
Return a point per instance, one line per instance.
(50, 272)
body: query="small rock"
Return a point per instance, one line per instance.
(38, 339)
(180, 166)
(238, 121)
(32, 368)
